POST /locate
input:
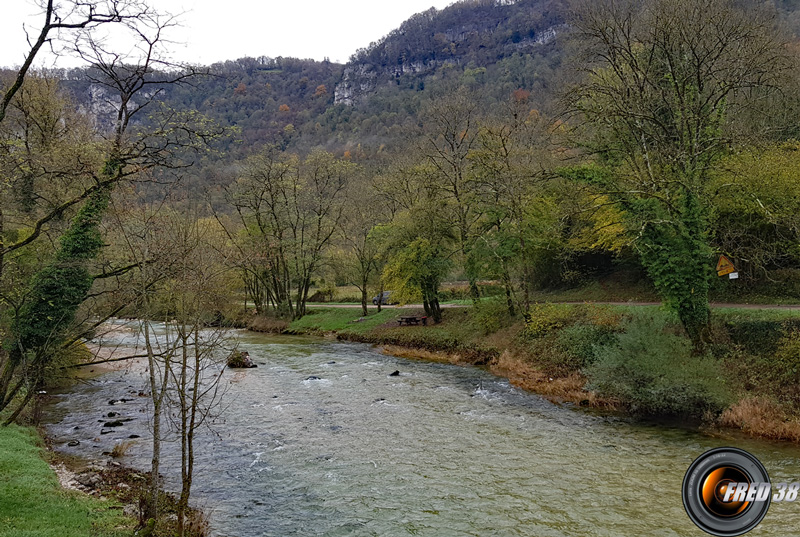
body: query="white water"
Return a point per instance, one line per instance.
(437, 451)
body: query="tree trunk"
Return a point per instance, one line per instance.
(526, 277)
(364, 310)
(509, 291)
(436, 310)
(157, 394)
(8, 375)
(679, 261)
(474, 292)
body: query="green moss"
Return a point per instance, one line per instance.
(33, 505)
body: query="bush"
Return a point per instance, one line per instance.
(654, 372)
(774, 374)
(266, 323)
(581, 342)
(786, 362)
(545, 318)
(760, 336)
(490, 315)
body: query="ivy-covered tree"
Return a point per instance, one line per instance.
(664, 84)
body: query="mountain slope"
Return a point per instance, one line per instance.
(478, 33)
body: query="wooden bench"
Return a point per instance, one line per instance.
(412, 319)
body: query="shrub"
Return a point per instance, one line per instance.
(786, 363)
(490, 315)
(759, 336)
(265, 323)
(119, 450)
(581, 342)
(543, 319)
(775, 374)
(654, 372)
(239, 359)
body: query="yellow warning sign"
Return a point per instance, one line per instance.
(724, 266)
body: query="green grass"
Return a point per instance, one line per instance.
(342, 319)
(32, 504)
(762, 314)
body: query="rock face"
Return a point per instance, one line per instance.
(470, 33)
(358, 81)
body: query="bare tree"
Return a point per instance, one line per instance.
(60, 287)
(513, 162)
(76, 17)
(360, 259)
(290, 210)
(450, 133)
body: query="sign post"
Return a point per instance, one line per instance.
(725, 266)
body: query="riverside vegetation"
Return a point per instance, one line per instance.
(466, 155)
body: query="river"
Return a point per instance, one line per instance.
(320, 439)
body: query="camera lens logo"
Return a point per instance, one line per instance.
(726, 492)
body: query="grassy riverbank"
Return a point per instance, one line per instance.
(629, 358)
(32, 503)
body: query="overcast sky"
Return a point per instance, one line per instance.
(215, 30)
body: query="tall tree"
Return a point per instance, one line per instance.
(449, 133)
(665, 81)
(359, 257)
(71, 18)
(513, 162)
(290, 210)
(56, 291)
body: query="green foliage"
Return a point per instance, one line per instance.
(654, 371)
(565, 338)
(756, 213)
(678, 258)
(545, 318)
(490, 315)
(582, 341)
(60, 287)
(765, 354)
(786, 364)
(756, 335)
(662, 99)
(419, 266)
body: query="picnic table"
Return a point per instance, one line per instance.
(412, 319)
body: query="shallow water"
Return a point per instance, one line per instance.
(438, 450)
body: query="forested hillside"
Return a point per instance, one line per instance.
(492, 47)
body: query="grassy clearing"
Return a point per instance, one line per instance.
(32, 504)
(342, 320)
